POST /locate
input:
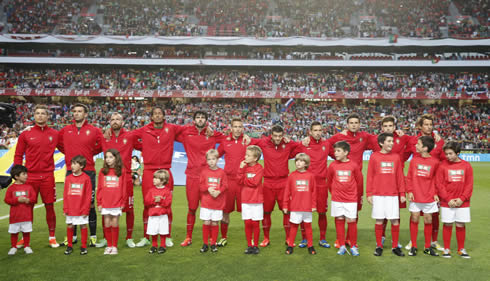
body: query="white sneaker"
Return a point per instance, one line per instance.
(143, 242)
(12, 251)
(28, 250)
(113, 251)
(169, 243)
(101, 244)
(446, 254)
(130, 243)
(437, 246)
(107, 250)
(409, 246)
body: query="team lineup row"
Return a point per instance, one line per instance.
(156, 143)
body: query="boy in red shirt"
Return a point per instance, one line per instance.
(159, 201)
(422, 193)
(250, 177)
(385, 182)
(76, 202)
(344, 180)
(213, 183)
(21, 198)
(454, 182)
(300, 199)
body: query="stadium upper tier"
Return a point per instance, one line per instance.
(250, 18)
(467, 124)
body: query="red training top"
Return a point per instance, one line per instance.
(300, 192)
(20, 212)
(250, 178)
(421, 179)
(77, 195)
(162, 207)
(111, 190)
(218, 181)
(454, 180)
(38, 144)
(385, 175)
(344, 180)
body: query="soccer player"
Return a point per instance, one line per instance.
(318, 149)
(81, 138)
(157, 147)
(276, 156)
(344, 180)
(250, 175)
(213, 184)
(124, 142)
(21, 197)
(454, 182)
(111, 197)
(233, 148)
(300, 200)
(159, 201)
(38, 145)
(76, 202)
(425, 125)
(385, 183)
(422, 193)
(197, 141)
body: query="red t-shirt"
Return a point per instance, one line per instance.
(164, 206)
(217, 180)
(77, 195)
(20, 212)
(111, 190)
(385, 175)
(344, 180)
(421, 179)
(250, 179)
(300, 192)
(454, 180)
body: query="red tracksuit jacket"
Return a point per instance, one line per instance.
(454, 180)
(111, 190)
(77, 195)
(385, 175)
(276, 158)
(234, 151)
(399, 144)
(318, 152)
(86, 142)
(359, 142)
(162, 207)
(38, 144)
(437, 152)
(300, 192)
(158, 144)
(217, 180)
(250, 178)
(421, 179)
(344, 180)
(20, 212)
(124, 143)
(196, 145)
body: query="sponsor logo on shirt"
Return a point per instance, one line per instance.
(387, 167)
(125, 141)
(344, 175)
(302, 185)
(423, 170)
(76, 188)
(250, 175)
(455, 175)
(21, 193)
(213, 180)
(111, 181)
(50, 139)
(87, 132)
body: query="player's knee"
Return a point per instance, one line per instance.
(192, 211)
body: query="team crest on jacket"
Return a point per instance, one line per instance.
(360, 139)
(50, 139)
(228, 139)
(125, 141)
(166, 130)
(323, 147)
(88, 132)
(397, 141)
(283, 146)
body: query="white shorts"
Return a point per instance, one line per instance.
(299, 217)
(77, 220)
(25, 226)
(111, 211)
(157, 225)
(450, 215)
(210, 215)
(385, 207)
(427, 208)
(346, 209)
(253, 212)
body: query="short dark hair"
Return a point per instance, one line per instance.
(315, 123)
(427, 141)
(454, 146)
(382, 137)
(420, 120)
(85, 107)
(353, 115)
(81, 160)
(389, 118)
(17, 170)
(236, 119)
(200, 112)
(155, 108)
(277, 129)
(345, 146)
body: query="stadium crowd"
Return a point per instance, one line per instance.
(468, 124)
(309, 82)
(258, 18)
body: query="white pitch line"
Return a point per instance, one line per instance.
(35, 207)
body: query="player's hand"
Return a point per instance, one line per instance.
(452, 203)
(158, 199)
(21, 199)
(458, 202)
(344, 132)
(286, 139)
(243, 164)
(436, 198)
(400, 133)
(108, 134)
(64, 214)
(313, 209)
(285, 211)
(437, 137)
(306, 141)
(370, 200)
(99, 208)
(410, 196)
(209, 131)
(28, 128)
(246, 140)
(403, 199)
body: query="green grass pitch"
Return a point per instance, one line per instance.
(231, 264)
